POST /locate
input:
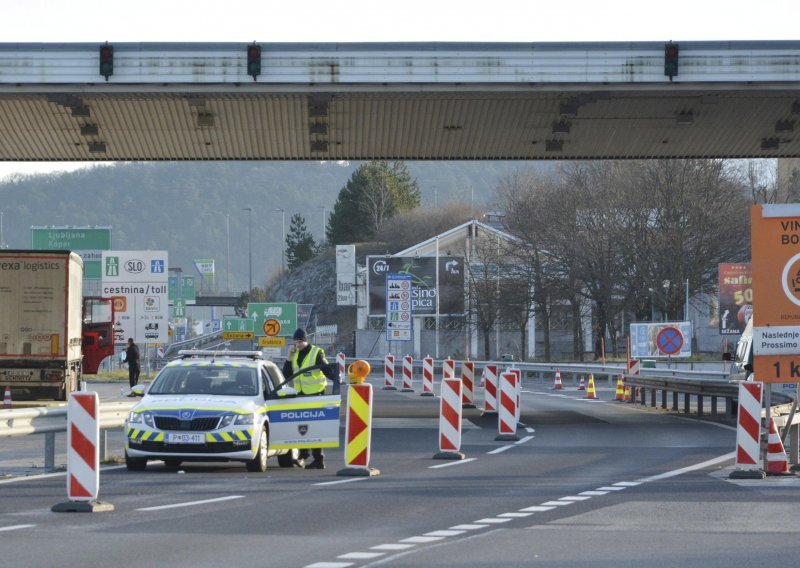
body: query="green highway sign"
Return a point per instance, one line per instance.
(186, 291)
(233, 323)
(71, 238)
(285, 314)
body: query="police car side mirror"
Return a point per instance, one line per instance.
(285, 392)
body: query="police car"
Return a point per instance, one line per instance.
(226, 406)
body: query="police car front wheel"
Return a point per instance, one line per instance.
(259, 462)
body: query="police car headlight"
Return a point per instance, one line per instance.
(140, 418)
(235, 419)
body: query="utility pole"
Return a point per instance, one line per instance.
(283, 238)
(249, 249)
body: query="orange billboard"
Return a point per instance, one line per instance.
(775, 238)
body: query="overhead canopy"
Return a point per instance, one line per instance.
(399, 101)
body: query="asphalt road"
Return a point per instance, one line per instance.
(590, 483)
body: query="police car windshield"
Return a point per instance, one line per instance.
(223, 380)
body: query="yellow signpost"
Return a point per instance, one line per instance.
(271, 341)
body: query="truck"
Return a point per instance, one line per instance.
(50, 335)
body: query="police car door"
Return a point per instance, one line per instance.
(304, 422)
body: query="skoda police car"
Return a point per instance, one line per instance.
(226, 406)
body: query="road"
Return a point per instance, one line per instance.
(590, 483)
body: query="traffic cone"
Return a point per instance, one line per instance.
(7, 398)
(582, 386)
(590, 393)
(627, 397)
(620, 395)
(558, 385)
(777, 462)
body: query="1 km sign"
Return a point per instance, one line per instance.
(776, 292)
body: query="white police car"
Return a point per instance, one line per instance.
(226, 406)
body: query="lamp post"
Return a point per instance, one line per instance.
(283, 238)
(228, 255)
(249, 248)
(324, 220)
(2, 241)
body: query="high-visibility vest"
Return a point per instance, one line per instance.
(310, 382)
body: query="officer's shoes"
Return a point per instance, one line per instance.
(299, 462)
(316, 464)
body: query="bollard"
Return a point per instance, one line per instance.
(450, 421)
(490, 389)
(388, 372)
(83, 457)
(506, 417)
(467, 384)
(427, 376)
(748, 432)
(408, 373)
(358, 432)
(340, 359)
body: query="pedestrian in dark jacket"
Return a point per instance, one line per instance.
(132, 359)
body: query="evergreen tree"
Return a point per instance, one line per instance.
(300, 245)
(374, 194)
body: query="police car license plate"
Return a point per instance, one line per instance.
(186, 438)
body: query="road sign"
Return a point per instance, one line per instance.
(272, 327)
(775, 239)
(669, 341)
(237, 328)
(272, 342)
(284, 313)
(398, 307)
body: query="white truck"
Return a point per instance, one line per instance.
(42, 324)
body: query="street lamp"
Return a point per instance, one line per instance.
(228, 256)
(283, 238)
(324, 219)
(249, 248)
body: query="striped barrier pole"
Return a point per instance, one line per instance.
(490, 389)
(408, 373)
(748, 432)
(83, 455)
(506, 417)
(448, 369)
(468, 384)
(518, 373)
(388, 373)
(342, 368)
(358, 432)
(427, 376)
(450, 421)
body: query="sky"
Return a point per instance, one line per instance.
(53, 21)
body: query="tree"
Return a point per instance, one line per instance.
(300, 245)
(375, 193)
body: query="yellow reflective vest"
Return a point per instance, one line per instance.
(310, 382)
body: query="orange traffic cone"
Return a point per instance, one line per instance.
(590, 393)
(777, 462)
(620, 395)
(582, 386)
(558, 385)
(7, 398)
(627, 397)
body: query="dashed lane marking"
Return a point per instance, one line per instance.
(392, 546)
(450, 463)
(575, 498)
(537, 509)
(360, 555)
(15, 527)
(444, 533)
(191, 503)
(340, 481)
(500, 449)
(468, 527)
(492, 521)
(594, 493)
(557, 503)
(422, 539)
(514, 515)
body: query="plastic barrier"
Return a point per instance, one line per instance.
(358, 432)
(507, 414)
(490, 389)
(448, 369)
(427, 376)
(342, 367)
(450, 421)
(748, 432)
(408, 374)
(518, 410)
(83, 456)
(468, 384)
(388, 372)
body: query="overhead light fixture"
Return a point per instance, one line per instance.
(561, 127)
(89, 130)
(318, 128)
(685, 118)
(568, 109)
(97, 147)
(81, 112)
(553, 145)
(784, 126)
(319, 146)
(770, 143)
(205, 119)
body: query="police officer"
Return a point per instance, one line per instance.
(311, 383)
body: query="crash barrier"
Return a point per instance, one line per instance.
(427, 376)
(450, 420)
(468, 384)
(388, 372)
(507, 414)
(358, 432)
(490, 389)
(52, 420)
(408, 374)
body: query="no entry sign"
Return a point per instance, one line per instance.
(669, 341)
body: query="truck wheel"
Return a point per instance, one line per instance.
(135, 464)
(259, 463)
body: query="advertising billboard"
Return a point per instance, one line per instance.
(424, 289)
(735, 297)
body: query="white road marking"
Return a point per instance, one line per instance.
(339, 481)
(514, 515)
(329, 565)
(422, 539)
(687, 469)
(525, 439)
(628, 483)
(444, 533)
(575, 498)
(468, 527)
(557, 503)
(48, 475)
(529, 430)
(15, 528)
(453, 462)
(608, 488)
(392, 546)
(492, 521)
(360, 555)
(593, 493)
(500, 449)
(191, 503)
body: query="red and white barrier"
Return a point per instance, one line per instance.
(342, 369)
(448, 369)
(83, 455)
(490, 389)
(468, 384)
(358, 432)
(777, 461)
(408, 373)
(748, 430)
(427, 376)
(388, 372)
(507, 414)
(450, 420)
(518, 373)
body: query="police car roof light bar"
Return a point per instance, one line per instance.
(189, 353)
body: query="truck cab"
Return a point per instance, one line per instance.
(742, 359)
(98, 332)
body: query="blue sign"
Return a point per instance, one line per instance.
(157, 266)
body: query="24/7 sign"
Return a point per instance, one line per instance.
(775, 242)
